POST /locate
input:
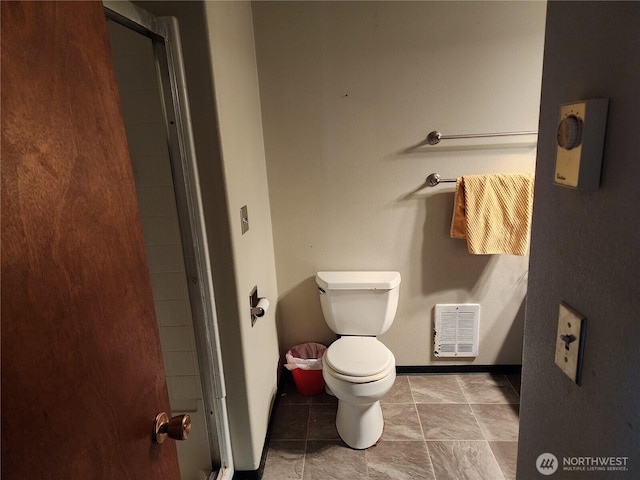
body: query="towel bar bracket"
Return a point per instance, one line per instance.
(434, 138)
(434, 179)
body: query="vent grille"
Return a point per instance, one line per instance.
(456, 330)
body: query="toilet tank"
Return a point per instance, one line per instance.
(359, 303)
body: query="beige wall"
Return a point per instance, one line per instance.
(240, 128)
(346, 88)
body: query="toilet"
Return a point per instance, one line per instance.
(358, 368)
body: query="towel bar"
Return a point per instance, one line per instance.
(434, 137)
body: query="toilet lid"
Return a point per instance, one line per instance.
(358, 356)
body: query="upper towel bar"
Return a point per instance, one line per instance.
(434, 137)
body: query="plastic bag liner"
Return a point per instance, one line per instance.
(307, 356)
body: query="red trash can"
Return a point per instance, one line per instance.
(305, 363)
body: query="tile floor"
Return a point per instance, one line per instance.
(437, 427)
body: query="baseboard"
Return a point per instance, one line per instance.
(495, 369)
(249, 474)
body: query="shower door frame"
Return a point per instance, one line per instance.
(164, 34)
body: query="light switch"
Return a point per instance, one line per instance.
(570, 342)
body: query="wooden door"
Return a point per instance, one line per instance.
(82, 371)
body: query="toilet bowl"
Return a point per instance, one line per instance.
(359, 371)
(358, 368)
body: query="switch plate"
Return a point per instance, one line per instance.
(570, 342)
(244, 220)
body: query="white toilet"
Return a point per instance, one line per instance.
(358, 368)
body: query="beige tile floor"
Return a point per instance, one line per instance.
(437, 427)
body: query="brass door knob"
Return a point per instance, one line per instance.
(177, 427)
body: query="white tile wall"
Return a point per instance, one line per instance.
(185, 387)
(143, 139)
(160, 231)
(179, 363)
(172, 313)
(140, 106)
(155, 200)
(165, 258)
(176, 339)
(153, 171)
(169, 286)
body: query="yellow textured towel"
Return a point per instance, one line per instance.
(458, 227)
(493, 212)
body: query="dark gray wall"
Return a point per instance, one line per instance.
(585, 250)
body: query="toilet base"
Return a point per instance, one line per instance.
(359, 426)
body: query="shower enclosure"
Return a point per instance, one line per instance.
(150, 76)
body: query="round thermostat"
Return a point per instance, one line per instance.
(570, 132)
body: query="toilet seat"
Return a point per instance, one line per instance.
(359, 359)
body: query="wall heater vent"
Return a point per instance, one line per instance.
(456, 331)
